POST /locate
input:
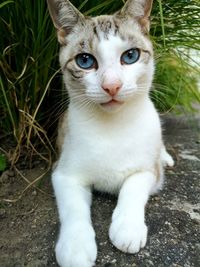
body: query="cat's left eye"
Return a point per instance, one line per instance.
(130, 56)
(86, 61)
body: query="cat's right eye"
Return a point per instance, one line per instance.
(86, 61)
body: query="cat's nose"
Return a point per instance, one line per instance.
(112, 88)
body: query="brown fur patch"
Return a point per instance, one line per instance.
(61, 36)
(62, 131)
(104, 26)
(146, 56)
(76, 74)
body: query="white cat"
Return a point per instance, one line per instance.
(110, 137)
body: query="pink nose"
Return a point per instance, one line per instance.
(112, 88)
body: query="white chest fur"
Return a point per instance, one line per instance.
(106, 150)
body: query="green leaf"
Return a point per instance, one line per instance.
(5, 3)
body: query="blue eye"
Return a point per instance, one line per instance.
(86, 61)
(130, 56)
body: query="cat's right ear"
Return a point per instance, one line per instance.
(64, 16)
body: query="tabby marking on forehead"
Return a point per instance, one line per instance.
(103, 26)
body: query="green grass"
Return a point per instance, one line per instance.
(176, 32)
(28, 62)
(3, 163)
(31, 89)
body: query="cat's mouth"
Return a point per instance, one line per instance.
(112, 104)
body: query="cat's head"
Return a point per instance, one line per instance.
(107, 60)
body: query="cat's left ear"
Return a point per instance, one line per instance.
(139, 10)
(64, 16)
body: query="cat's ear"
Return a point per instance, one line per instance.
(65, 16)
(139, 10)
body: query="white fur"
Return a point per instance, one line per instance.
(128, 231)
(167, 160)
(114, 152)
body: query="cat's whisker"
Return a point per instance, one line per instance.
(63, 91)
(87, 104)
(62, 103)
(84, 102)
(56, 107)
(58, 112)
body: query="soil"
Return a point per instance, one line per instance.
(29, 226)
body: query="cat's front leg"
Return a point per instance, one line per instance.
(76, 246)
(128, 231)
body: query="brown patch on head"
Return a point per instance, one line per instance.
(95, 30)
(147, 55)
(104, 25)
(61, 33)
(76, 73)
(116, 23)
(144, 23)
(71, 67)
(82, 45)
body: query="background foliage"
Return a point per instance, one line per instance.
(31, 96)
(2, 162)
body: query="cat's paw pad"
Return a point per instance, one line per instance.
(77, 249)
(128, 236)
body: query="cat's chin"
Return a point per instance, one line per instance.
(112, 105)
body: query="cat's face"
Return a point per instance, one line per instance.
(107, 61)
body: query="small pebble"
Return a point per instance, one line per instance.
(34, 193)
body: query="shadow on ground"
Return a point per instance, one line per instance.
(29, 227)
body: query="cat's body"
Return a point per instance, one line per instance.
(110, 138)
(108, 149)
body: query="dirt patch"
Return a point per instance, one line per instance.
(28, 226)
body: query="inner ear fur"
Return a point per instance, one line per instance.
(64, 16)
(139, 10)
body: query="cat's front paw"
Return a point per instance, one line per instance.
(127, 234)
(77, 247)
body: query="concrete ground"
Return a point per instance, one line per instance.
(29, 226)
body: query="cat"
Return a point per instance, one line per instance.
(110, 138)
